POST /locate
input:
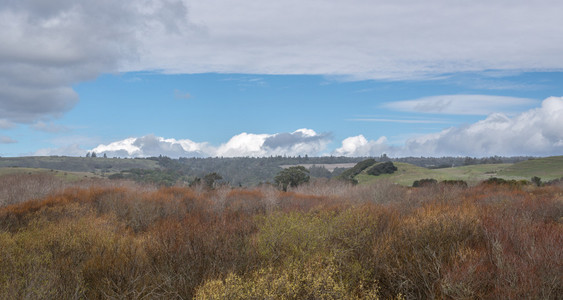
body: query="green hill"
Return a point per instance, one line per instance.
(547, 168)
(407, 173)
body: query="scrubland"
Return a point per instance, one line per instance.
(324, 240)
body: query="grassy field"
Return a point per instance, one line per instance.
(64, 175)
(546, 168)
(77, 164)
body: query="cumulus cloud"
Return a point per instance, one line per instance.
(299, 142)
(360, 146)
(151, 145)
(462, 104)
(534, 132)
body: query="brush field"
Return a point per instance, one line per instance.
(101, 239)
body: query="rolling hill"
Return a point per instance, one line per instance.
(547, 168)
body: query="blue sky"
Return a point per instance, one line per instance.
(184, 78)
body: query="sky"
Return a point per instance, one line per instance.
(258, 78)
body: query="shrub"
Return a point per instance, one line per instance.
(318, 279)
(382, 168)
(349, 174)
(458, 183)
(424, 182)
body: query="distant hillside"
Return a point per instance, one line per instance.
(77, 164)
(546, 168)
(66, 176)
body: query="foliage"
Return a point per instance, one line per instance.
(319, 172)
(424, 182)
(357, 169)
(211, 179)
(459, 183)
(292, 177)
(157, 177)
(382, 168)
(500, 181)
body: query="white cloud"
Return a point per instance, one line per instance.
(534, 132)
(5, 124)
(299, 142)
(462, 104)
(47, 46)
(151, 145)
(360, 146)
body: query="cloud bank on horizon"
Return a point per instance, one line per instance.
(534, 132)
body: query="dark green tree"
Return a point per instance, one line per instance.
(536, 180)
(211, 179)
(292, 177)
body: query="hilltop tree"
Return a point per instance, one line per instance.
(292, 177)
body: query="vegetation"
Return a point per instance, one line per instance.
(357, 169)
(250, 171)
(424, 182)
(292, 177)
(324, 239)
(382, 168)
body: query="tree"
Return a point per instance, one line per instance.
(536, 180)
(211, 178)
(105, 156)
(292, 177)
(88, 154)
(94, 154)
(382, 168)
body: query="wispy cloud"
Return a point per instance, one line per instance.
(181, 95)
(7, 140)
(462, 104)
(49, 127)
(5, 124)
(406, 121)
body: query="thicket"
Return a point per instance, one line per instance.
(382, 168)
(322, 240)
(349, 174)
